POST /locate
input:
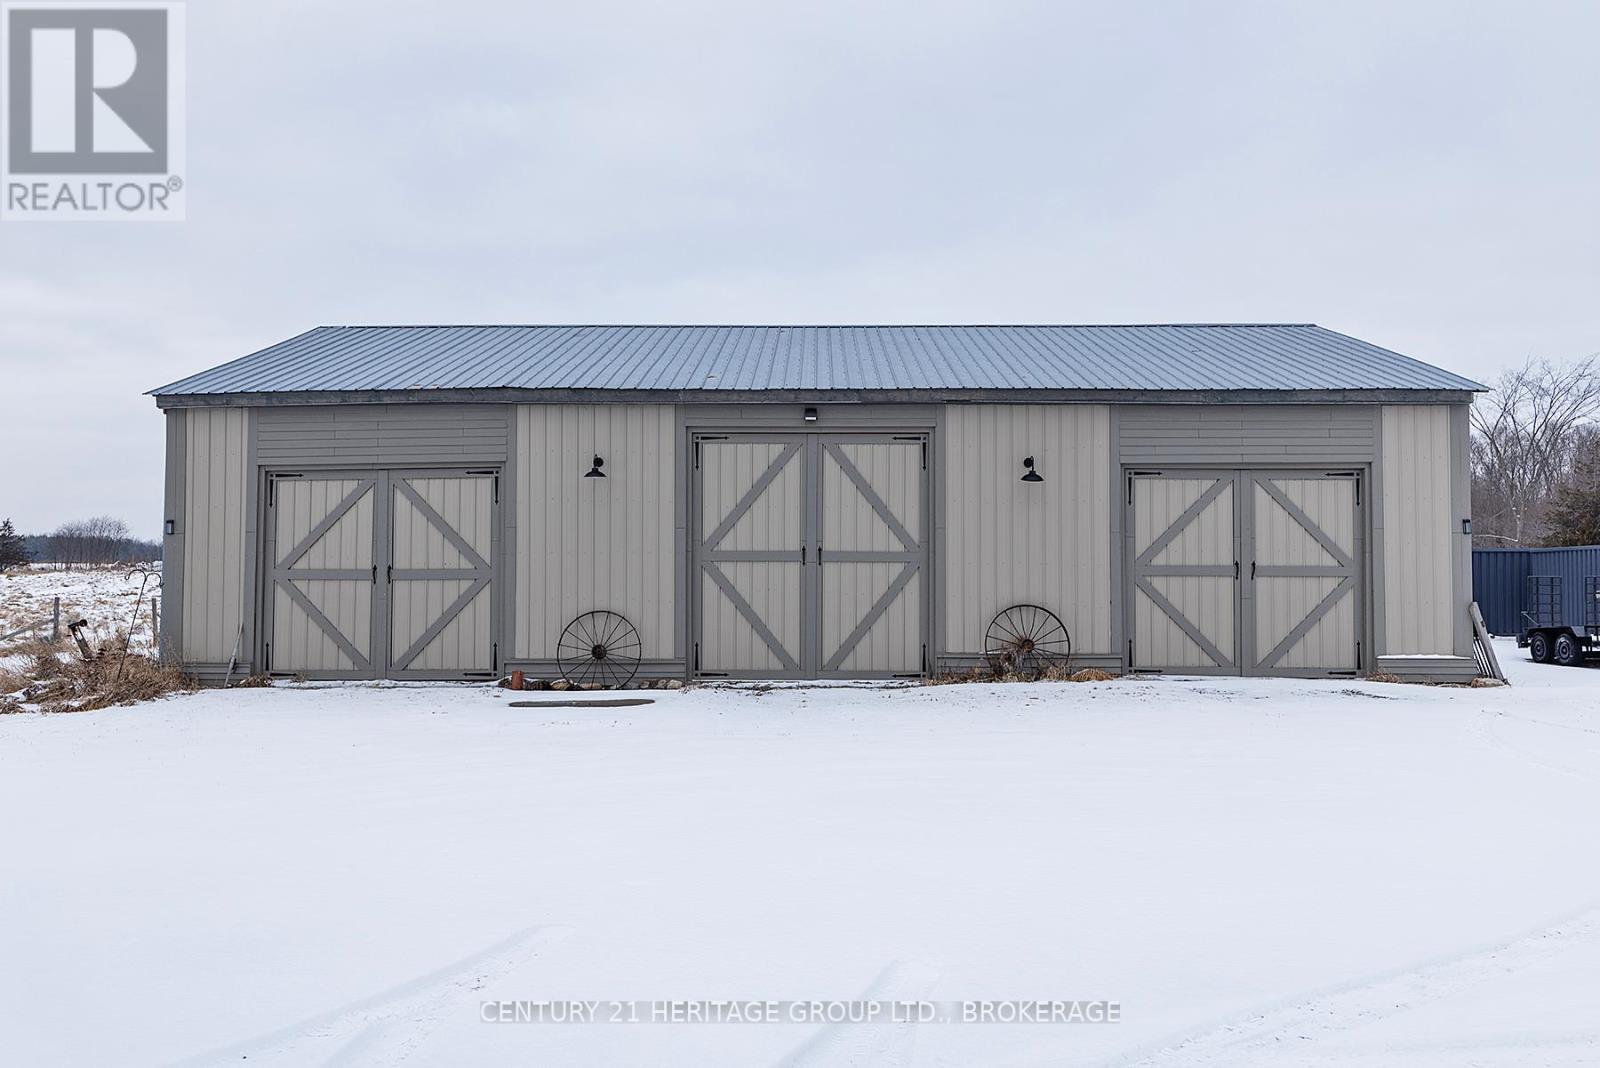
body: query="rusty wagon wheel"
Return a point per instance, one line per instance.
(1027, 640)
(599, 648)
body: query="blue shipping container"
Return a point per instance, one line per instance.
(1499, 582)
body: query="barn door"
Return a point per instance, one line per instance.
(871, 551)
(441, 575)
(322, 560)
(810, 555)
(752, 528)
(1303, 603)
(1184, 570)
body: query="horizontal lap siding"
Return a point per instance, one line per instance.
(589, 544)
(1418, 533)
(1009, 542)
(216, 484)
(392, 435)
(1248, 434)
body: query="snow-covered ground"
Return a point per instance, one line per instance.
(1257, 871)
(104, 596)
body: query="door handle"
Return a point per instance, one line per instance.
(802, 556)
(389, 575)
(374, 574)
(1252, 571)
(1236, 571)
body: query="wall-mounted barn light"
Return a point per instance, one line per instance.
(811, 415)
(1466, 526)
(1032, 475)
(595, 472)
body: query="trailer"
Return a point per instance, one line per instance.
(1554, 631)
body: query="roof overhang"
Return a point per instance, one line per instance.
(891, 396)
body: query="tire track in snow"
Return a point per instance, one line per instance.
(1346, 1006)
(881, 1042)
(1275, 1031)
(386, 1027)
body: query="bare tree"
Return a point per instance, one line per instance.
(1525, 435)
(85, 542)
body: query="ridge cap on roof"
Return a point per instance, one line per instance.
(816, 326)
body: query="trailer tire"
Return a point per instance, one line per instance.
(1539, 647)
(1566, 651)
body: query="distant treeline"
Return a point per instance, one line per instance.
(87, 542)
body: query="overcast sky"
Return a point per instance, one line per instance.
(1425, 176)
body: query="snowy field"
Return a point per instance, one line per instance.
(1258, 872)
(104, 596)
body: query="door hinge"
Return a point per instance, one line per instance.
(272, 483)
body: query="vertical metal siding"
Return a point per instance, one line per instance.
(1417, 543)
(1009, 542)
(1499, 579)
(584, 544)
(216, 484)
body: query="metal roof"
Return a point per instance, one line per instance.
(713, 359)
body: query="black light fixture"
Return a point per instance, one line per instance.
(811, 415)
(595, 472)
(1032, 475)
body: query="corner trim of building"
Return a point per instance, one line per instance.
(172, 545)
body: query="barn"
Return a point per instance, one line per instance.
(817, 502)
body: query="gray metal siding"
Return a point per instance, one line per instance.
(585, 544)
(215, 554)
(1247, 435)
(383, 435)
(1418, 536)
(1010, 542)
(731, 359)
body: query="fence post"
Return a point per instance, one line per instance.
(155, 622)
(55, 622)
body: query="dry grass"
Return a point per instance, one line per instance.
(252, 682)
(55, 684)
(1384, 676)
(985, 673)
